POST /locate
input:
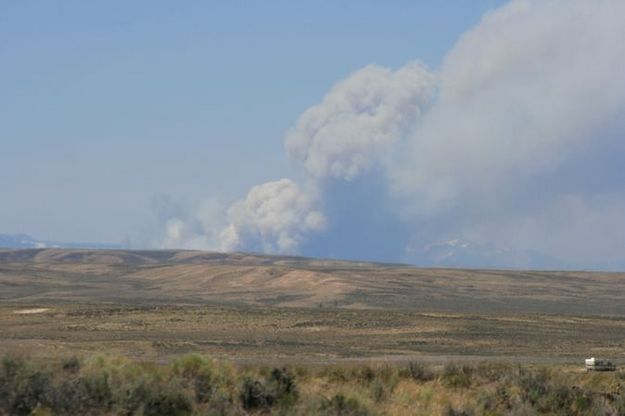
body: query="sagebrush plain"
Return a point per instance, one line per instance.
(314, 317)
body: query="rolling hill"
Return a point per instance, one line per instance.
(193, 277)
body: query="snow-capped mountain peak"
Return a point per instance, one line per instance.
(460, 252)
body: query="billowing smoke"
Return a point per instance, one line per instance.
(360, 120)
(274, 218)
(527, 133)
(517, 141)
(529, 88)
(350, 133)
(188, 229)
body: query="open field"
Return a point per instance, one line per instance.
(314, 335)
(155, 305)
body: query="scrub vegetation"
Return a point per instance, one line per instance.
(198, 385)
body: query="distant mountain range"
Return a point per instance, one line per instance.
(26, 241)
(468, 254)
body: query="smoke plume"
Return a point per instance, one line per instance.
(517, 140)
(360, 120)
(273, 218)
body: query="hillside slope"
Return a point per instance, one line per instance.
(194, 277)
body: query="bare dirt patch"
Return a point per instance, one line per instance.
(30, 311)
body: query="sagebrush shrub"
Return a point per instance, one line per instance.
(420, 372)
(457, 376)
(254, 395)
(340, 405)
(278, 388)
(282, 386)
(378, 390)
(450, 411)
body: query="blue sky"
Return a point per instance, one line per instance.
(105, 104)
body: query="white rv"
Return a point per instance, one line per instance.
(596, 364)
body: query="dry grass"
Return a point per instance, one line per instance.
(274, 334)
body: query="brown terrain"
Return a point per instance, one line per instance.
(154, 304)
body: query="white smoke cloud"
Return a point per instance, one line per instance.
(533, 88)
(360, 120)
(523, 98)
(346, 135)
(273, 218)
(520, 93)
(198, 229)
(179, 234)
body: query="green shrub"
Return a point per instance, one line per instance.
(618, 403)
(302, 372)
(339, 405)
(279, 389)
(221, 405)
(203, 388)
(547, 396)
(254, 395)
(490, 402)
(363, 374)
(198, 373)
(23, 388)
(71, 365)
(166, 402)
(420, 372)
(192, 365)
(493, 372)
(132, 396)
(450, 411)
(11, 367)
(457, 376)
(388, 373)
(337, 375)
(378, 390)
(521, 409)
(282, 386)
(533, 386)
(582, 402)
(97, 390)
(29, 393)
(80, 396)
